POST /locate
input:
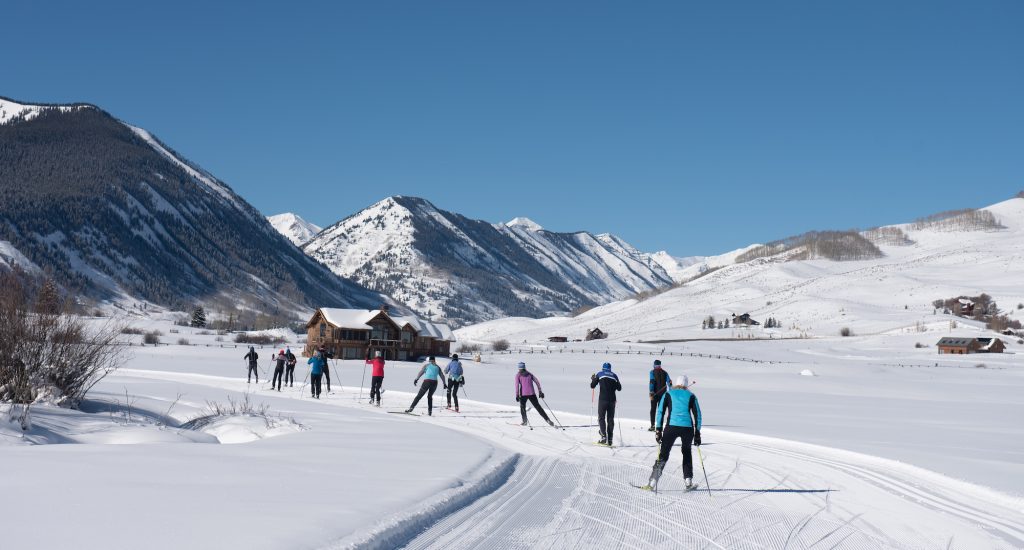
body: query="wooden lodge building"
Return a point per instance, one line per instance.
(358, 333)
(963, 346)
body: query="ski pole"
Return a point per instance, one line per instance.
(593, 415)
(361, 382)
(706, 482)
(552, 411)
(304, 382)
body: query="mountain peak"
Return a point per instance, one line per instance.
(525, 223)
(292, 226)
(11, 110)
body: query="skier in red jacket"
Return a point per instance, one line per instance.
(377, 377)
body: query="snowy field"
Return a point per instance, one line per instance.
(865, 454)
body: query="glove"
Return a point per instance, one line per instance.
(462, 382)
(657, 436)
(696, 438)
(593, 377)
(542, 395)
(652, 395)
(416, 382)
(517, 399)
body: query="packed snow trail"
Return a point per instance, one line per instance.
(564, 492)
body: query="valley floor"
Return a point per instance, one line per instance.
(344, 474)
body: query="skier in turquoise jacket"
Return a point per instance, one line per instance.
(680, 408)
(430, 373)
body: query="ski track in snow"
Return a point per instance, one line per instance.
(561, 491)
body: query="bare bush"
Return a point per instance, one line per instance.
(892, 236)
(152, 337)
(838, 246)
(258, 339)
(132, 330)
(919, 345)
(182, 341)
(468, 348)
(218, 339)
(1020, 306)
(845, 331)
(499, 345)
(215, 411)
(50, 354)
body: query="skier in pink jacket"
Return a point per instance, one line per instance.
(524, 392)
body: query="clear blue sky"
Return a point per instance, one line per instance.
(695, 127)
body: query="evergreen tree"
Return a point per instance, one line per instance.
(48, 300)
(198, 317)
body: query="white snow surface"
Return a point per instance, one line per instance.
(296, 229)
(10, 257)
(10, 110)
(837, 460)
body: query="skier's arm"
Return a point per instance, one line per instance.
(423, 370)
(618, 384)
(695, 412)
(536, 382)
(664, 410)
(594, 381)
(650, 384)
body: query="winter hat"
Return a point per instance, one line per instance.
(657, 363)
(522, 366)
(281, 352)
(682, 381)
(455, 357)
(606, 367)
(431, 359)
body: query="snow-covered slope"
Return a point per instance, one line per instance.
(675, 267)
(114, 213)
(815, 297)
(467, 270)
(294, 228)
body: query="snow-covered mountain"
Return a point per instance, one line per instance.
(294, 228)
(112, 212)
(951, 255)
(442, 263)
(675, 267)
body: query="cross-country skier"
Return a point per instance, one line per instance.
(679, 406)
(254, 370)
(610, 384)
(289, 367)
(376, 377)
(278, 370)
(525, 381)
(455, 379)
(317, 362)
(430, 373)
(659, 383)
(327, 367)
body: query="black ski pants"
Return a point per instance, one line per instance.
(327, 376)
(289, 375)
(254, 371)
(453, 393)
(536, 405)
(606, 419)
(654, 404)
(427, 387)
(668, 438)
(375, 383)
(314, 384)
(278, 377)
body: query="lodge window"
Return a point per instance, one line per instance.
(323, 330)
(406, 336)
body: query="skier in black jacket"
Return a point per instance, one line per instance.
(278, 370)
(289, 367)
(252, 356)
(658, 385)
(610, 384)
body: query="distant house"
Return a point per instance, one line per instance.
(355, 333)
(966, 307)
(963, 346)
(596, 334)
(558, 339)
(744, 320)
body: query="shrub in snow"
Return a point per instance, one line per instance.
(132, 330)
(499, 345)
(182, 341)
(919, 345)
(845, 331)
(151, 337)
(49, 355)
(1020, 306)
(240, 421)
(258, 339)
(980, 366)
(468, 348)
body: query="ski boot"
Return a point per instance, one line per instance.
(550, 423)
(651, 429)
(408, 411)
(652, 483)
(524, 423)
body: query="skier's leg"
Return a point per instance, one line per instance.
(448, 394)
(686, 436)
(602, 407)
(327, 376)
(522, 408)
(432, 385)
(536, 405)
(419, 395)
(611, 421)
(654, 410)
(455, 394)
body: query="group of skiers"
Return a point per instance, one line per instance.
(675, 412)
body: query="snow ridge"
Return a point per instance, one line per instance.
(294, 228)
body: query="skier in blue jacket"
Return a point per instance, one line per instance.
(680, 408)
(455, 379)
(316, 362)
(610, 384)
(430, 373)
(659, 383)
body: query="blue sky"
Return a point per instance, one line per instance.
(695, 127)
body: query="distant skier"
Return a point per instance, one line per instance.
(377, 377)
(659, 382)
(278, 370)
(289, 366)
(327, 366)
(524, 386)
(254, 369)
(679, 406)
(430, 373)
(610, 384)
(316, 362)
(455, 379)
